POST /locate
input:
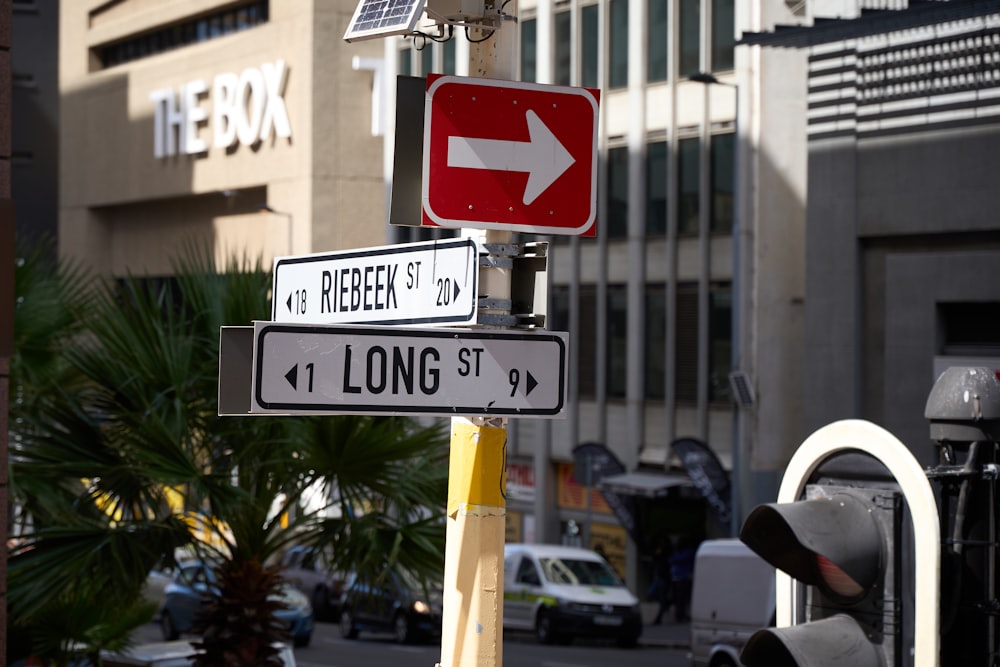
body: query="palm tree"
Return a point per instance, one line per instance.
(126, 422)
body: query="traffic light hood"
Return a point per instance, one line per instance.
(832, 542)
(964, 405)
(837, 641)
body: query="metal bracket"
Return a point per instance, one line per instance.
(528, 305)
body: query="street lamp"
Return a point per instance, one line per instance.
(264, 208)
(740, 387)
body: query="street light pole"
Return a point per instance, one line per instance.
(738, 464)
(288, 216)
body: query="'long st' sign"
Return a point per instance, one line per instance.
(409, 283)
(337, 369)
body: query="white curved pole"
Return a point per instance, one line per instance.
(866, 437)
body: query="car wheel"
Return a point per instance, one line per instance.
(401, 629)
(168, 628)
(347, 628)
(543, 628)
(627, 641)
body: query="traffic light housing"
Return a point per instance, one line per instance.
(843, 543)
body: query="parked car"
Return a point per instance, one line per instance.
(397, 604)
(187, 591)
(171, 654)
(303, 568)
(564, 592)
(733, 597)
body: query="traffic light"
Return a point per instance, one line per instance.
(844, 545)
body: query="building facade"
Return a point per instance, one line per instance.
(667, 300)
(903, 238)
(238, 124)
(254, 127)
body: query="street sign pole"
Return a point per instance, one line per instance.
(472, 616)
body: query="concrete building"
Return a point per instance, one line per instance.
(241, 124)
(903, 240)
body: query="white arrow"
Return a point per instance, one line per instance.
(542, 156)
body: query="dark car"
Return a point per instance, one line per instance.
(187, 592)
(393, 603)
(303, 568)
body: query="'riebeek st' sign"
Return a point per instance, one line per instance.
(245, 109)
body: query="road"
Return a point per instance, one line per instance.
(328, 649)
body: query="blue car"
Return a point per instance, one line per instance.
(186, 593)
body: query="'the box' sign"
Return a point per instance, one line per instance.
(246, 109)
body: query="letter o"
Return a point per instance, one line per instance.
(249, 106)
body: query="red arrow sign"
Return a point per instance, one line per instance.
(510, 155)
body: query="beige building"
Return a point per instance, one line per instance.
(241, 124)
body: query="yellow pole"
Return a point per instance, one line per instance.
(472, 621)
(472, 624)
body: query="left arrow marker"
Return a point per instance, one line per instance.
(293, 376)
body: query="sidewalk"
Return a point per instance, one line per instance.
(666, 635)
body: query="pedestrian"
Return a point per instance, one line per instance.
(659, 588)
(681, 575)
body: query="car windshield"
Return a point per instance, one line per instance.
(579, 572)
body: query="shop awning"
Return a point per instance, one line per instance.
(644, 484)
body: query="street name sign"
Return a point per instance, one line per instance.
(340, 369)
(409, 283)
(510, 155)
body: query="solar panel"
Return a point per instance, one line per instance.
(381, 18)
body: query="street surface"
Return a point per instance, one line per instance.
(328, 649)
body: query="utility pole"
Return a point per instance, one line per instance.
(472, 623)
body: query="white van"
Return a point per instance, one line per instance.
(560, 592)
(733, 597)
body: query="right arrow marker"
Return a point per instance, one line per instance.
(543, 157)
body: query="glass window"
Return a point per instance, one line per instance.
(617, 192)
(563, 46)
(690, 47)
(588, 62)
(656, 50)
(427, 58)
(723, 34)
(529, 56)
(618, 64)
(448, 57)
(586, 342)
(720, 335)
(617, 340)
(686, 344)
(656, 188)
(655, 339)
(688, 166)
(405, 60)
(722, 183)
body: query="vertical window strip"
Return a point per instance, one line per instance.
(689, 61)
(617, 192)
(563, 48)
(657, 42)
(619, 40)
(617, 341)
(529, 50)
(723, 35)
(589, 57)
(688, 161)
(722, 174)
(656, 188)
